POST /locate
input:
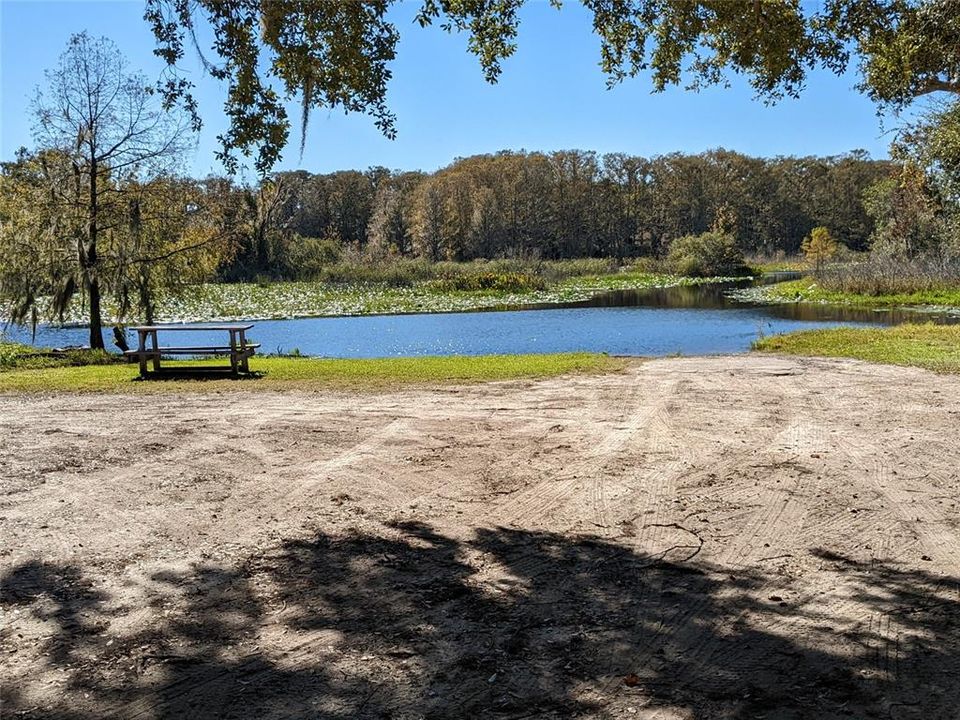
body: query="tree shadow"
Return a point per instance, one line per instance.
(407, 622)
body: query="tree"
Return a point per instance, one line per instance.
(908, 214)
(170, 238)
(389, 230)
(819, 247)
(907, 48)
(337, 54)
(104, 134)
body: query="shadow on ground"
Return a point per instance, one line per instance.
(408, 623)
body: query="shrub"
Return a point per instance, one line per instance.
(392, 272)
(710, 254)
(561, 269)
(14, 356)
(501, 281)
(307, 256)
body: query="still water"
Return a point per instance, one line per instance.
(686, 320)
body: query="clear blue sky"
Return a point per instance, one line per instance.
(551, 96)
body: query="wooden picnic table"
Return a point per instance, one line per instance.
(239, 350)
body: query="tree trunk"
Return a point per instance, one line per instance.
(96, 334)
(146, 297)
(91, 269)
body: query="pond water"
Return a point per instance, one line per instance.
(686, 320)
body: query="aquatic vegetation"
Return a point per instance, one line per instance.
(284, 300)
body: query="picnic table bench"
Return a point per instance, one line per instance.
(239, 350)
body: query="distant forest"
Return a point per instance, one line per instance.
(553, 205)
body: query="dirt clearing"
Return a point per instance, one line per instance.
(732, 537)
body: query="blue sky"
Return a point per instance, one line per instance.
(551, 96)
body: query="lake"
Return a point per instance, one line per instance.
(693, 320)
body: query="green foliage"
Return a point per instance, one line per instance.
(907, 49)
(503, 282)
(334, 54)
(934, 347)
(933, 141)
(908, 222)
(235, 301)
(14, 356)
(308, 257)
(709, 254)
(819, 247)
(761, 264)
(96, 208)
(873, 284)
(578, 267)
(316, 374)
(338, 54)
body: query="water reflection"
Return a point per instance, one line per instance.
(718, 296)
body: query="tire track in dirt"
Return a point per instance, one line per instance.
(538, 500)
(710, 650)
(677, 408)
(921, 515)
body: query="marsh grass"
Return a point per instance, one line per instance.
(810, 290)
(404, 272)
(878, 276)
(778, 263)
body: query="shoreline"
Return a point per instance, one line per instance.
(751, 296)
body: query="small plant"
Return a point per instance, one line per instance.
(819, 247)
(14, 356)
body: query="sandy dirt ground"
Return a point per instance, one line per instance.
(737, 537)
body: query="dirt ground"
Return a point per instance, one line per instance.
(736, 537)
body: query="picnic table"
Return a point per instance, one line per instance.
(239, 350)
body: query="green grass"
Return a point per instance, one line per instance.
(934, 347)
(807, 290)
(15, 356)
(760, 267)
(312, 374)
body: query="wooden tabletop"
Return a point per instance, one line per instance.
(206, 327)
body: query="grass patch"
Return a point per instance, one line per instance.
(763, 263)
(934, 347)
(313, 373)
(808, 290)
(15, 356)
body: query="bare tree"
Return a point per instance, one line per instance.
(112, 128)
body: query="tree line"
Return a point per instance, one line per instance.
(556, 205)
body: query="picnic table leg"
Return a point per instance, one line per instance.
(156, 349)
(142, 347)
(233, 352)
(244, 354)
